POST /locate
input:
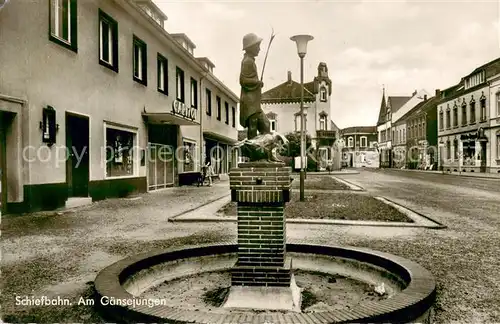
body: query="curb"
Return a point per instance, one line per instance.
(351, 186)
(440, 225)
(172, 218)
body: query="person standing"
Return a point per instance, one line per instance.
(251, 114)
(209, 172)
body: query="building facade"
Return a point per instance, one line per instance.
(494, 116)
(466, 128)
(391, 111)
(101, 101)
(360, 148)
(282, 106)
(421, 130)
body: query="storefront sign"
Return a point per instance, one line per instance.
(180, 108)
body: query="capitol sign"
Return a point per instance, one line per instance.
(180, 108)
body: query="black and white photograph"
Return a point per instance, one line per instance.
(250, 161)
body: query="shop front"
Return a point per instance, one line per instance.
(219, 149)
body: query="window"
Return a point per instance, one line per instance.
(455, 116)
(448, 149)
(322, 123)
(189, 154)
(404, 135)
(226, 108)
(322, 94)
(482, 103)
(441, 120)
(140, 61)
(108, 41)
(472, 112)
(498, 103)
(234, 116)
(194, 93)
(120, 159)
(455, 149)
(272, 123)
(498, 145)
(179, 79)
(448, 116)
(363, 141)
(298, 122)
(464, 114)
(350, 142)
(209, 102)
(63, 23)
(162, 63)
(219, 108)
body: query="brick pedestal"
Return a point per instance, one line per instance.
(261, 191)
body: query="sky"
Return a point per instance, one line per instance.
(367, 45)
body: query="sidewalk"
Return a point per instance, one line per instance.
(463, 174)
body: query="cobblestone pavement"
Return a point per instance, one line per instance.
(60, 255)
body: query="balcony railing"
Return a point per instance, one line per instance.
(326, 134)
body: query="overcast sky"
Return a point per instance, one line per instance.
(404, 45)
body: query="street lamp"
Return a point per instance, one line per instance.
(301, 41)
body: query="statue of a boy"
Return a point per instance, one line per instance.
(251, 114)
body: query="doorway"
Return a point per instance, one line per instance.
(77, 164)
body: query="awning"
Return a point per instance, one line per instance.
(219, 138)
(167, 118)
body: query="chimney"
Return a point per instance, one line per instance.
(414, 93)
(438, 93)
(289, 76)
(425, 97)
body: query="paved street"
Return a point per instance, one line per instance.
(60, 254)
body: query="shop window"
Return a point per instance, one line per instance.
(179, 79)
(209, 102)
(162, 63)
(140, 61)
(194, 93)
(189, 154)
(63, 23)
(108, 41)
(119, 152)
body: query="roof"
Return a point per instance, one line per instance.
(184, 36)
(422, 106)
(289, 91)
(383, 110)
(334, 126)
(152, 5)
(396, 102)
(359, 129)
(491, 64)
(206, 59)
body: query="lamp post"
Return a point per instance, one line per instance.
(301, 41)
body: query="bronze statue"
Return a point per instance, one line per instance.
(260, 144)
(251, 114)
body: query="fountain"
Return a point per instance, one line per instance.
(262, 278)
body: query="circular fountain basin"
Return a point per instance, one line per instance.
(168, 285)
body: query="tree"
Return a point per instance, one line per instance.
(294, 144)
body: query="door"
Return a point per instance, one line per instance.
(77, 165)
(483, 157)
(161, 166)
